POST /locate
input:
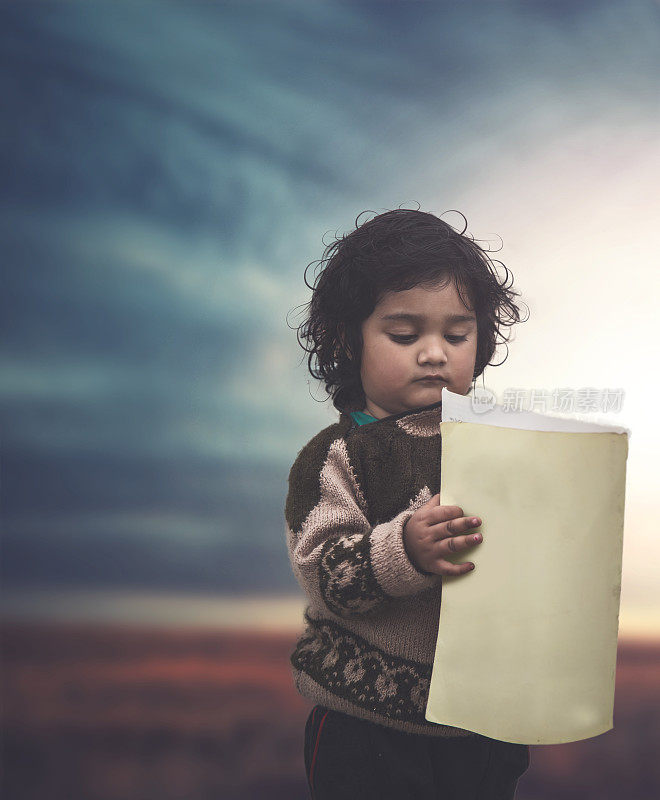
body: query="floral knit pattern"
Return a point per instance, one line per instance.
(352, 668)
(347, 581)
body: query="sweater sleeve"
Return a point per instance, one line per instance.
(336, 555)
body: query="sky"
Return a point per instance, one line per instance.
(170, 171)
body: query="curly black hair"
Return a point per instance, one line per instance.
(395, 251)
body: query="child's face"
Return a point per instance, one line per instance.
(397, 353)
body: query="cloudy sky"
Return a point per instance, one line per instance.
(171, 168)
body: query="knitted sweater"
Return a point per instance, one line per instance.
(372, 618)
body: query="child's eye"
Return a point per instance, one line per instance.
(408, 339)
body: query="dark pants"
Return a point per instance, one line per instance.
(348, 757)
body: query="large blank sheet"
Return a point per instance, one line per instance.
(526, 647)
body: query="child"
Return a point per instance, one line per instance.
(404, 306)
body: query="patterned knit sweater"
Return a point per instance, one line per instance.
(372, 618)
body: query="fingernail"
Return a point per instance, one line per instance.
(477, 537)
(475, 520)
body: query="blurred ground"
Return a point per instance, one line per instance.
(118, 713)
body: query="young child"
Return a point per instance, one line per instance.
(404, 306)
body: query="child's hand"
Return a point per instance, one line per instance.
(430, 535)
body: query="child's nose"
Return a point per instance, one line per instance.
(433, 351)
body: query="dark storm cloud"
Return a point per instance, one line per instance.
(111, 124)
(193, 524)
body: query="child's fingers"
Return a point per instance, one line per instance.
(439, 515)
(443, 567)
(457, 543)
(457, 526)
(443, 513)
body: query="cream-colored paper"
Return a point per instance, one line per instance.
(526, 648)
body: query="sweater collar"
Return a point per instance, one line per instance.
(433, 409)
